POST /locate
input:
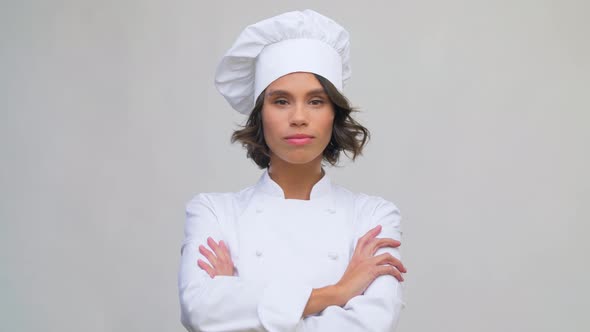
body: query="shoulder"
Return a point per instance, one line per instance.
(364, 204)
(219, 202)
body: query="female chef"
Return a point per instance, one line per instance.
(294, 252)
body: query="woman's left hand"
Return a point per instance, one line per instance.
(220, 263)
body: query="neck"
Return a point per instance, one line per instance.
(296, 180)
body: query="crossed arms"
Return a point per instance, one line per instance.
(367, 297)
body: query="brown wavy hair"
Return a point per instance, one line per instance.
(348, 135)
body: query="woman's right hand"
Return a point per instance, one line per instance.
(364, 267)
(219, 260)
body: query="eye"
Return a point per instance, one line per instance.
(280, 102)
(316, 102)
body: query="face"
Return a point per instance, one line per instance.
(297, 118)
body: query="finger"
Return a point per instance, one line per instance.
(217, 250)
(224, 251)
(209, 255)
(389, 270)
(387, 258)
(384, 242)
(391, 260)
(372, 233)
(212, 244)
(206, 267)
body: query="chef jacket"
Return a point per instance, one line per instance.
(282, 249)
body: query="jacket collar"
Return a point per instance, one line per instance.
(267, 185)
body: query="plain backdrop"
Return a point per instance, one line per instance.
(480, 121)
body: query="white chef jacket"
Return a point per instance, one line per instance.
(282, 249)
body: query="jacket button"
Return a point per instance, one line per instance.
(258, 253)
(333, 255)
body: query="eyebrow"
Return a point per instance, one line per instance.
(284, 92)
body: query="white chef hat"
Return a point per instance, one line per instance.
(298, 41)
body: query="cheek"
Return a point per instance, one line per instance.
(269, 127)
(328, 125)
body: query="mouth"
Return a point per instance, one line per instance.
(299, 139)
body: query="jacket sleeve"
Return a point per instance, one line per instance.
(228, 303)
(379, 307)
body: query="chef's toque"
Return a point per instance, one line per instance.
(298, 41)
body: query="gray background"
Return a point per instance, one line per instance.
(110, 123)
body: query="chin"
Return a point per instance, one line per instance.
(300, 158)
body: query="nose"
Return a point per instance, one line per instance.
(299, 116)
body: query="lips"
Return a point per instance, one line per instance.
(299, 136)
(299, 139)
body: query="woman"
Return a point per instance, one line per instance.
(294, 252)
